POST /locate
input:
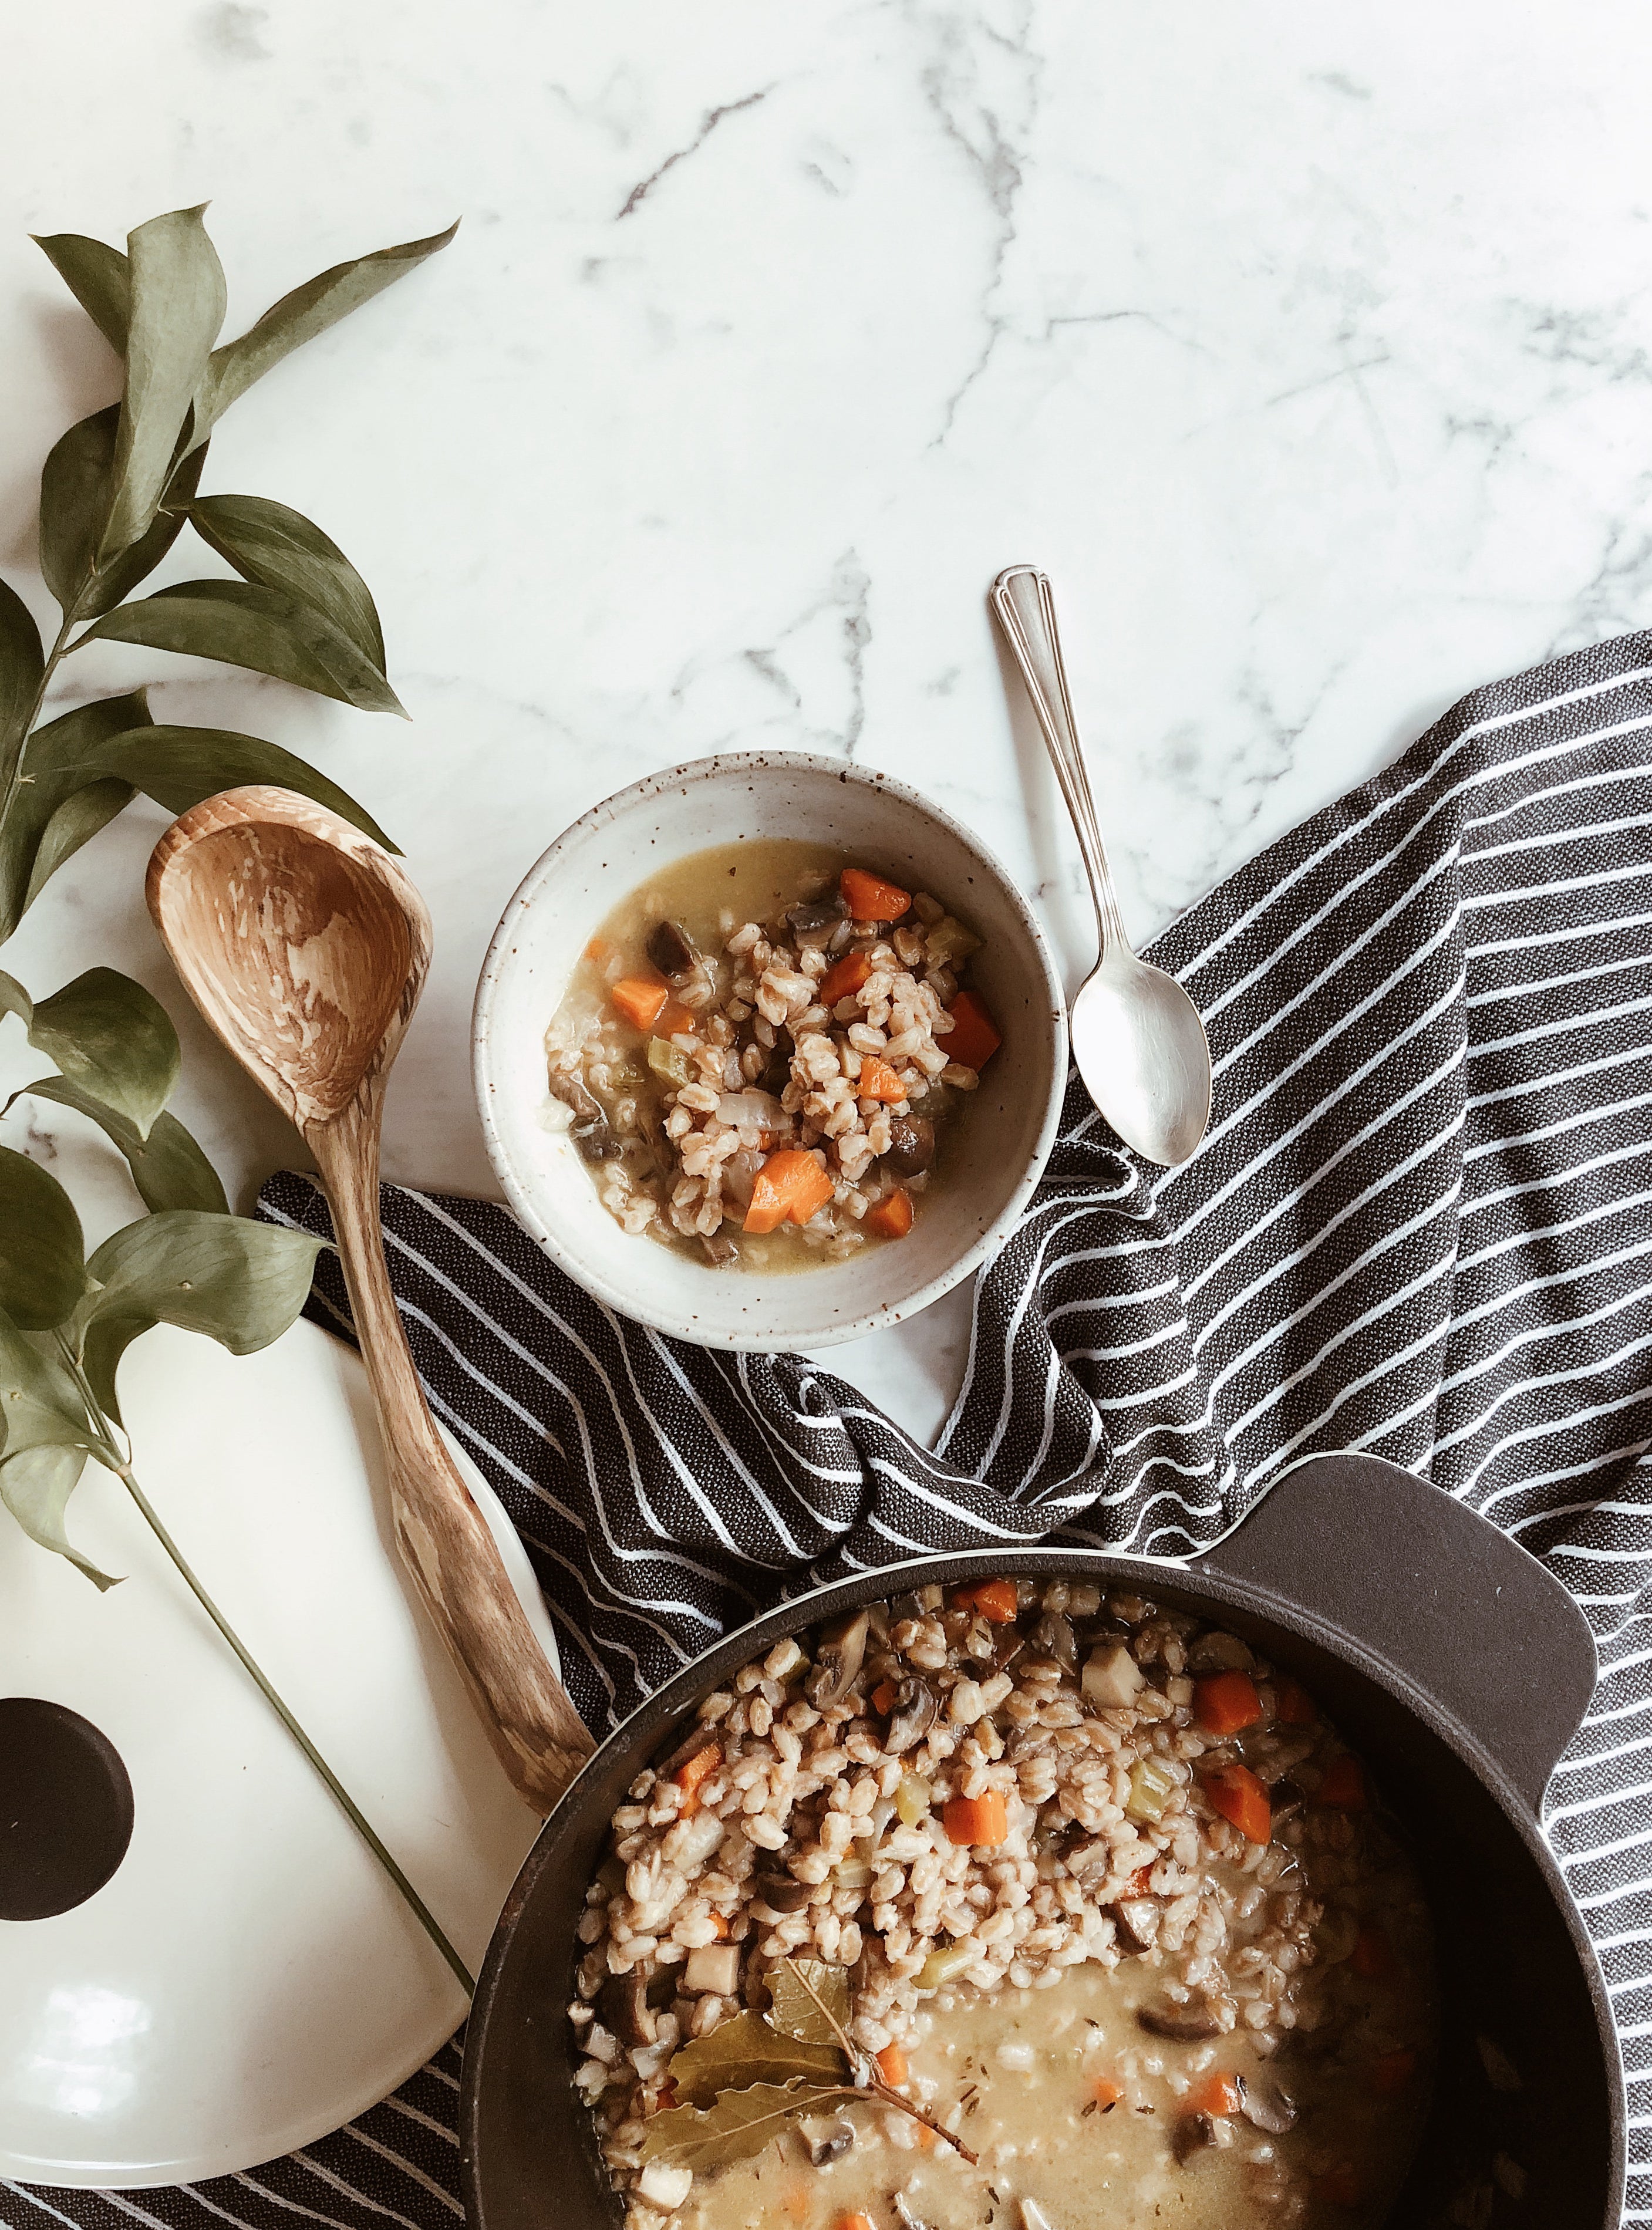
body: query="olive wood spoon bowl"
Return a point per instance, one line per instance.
(305, 947)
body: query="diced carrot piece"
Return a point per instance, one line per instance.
(1339, 2185)
(869, 898)
(973, 1038)
(883, 1697)
(892, 2065)
(1344, 1786)
(1237, 1794)
(797, 2202)
(1219, 2093)
(1226, 1702)
(855, 2223)
(689, 1774)
(665, 2099)
(1106, 2091)
(1391, 2072)
(978, 1822)
(925, 2137)
(638, 1002)
(1292, 1705)
(791, 1185)
(1372, 1957)
(674, 1017)
(877, 1081)
(844, 977)
(1140, 1878)
(996, 1599)
(893, 1217)
(599, 950)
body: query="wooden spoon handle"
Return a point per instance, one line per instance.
(449, 1553)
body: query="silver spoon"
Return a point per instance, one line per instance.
(1137, 1036)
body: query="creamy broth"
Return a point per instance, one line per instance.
(684, 1114)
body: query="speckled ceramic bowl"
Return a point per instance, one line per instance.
(1002, 1146)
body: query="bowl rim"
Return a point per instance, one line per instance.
(625, 1301)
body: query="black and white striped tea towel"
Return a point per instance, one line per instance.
(1419, 1227)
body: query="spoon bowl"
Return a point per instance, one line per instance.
(1137, 1037)
(305, 947)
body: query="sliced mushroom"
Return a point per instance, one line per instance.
(904, 2215)
(1033, 2216)
(1112, 1678)
(1194, 2133)
(1136, 1921)
(838, 1658)
(826, 2141)
(813, 920)
(781, 1893)
(1217, 1651)
(589, 1128)
(916, 1707)
(1285, 1796)
(1053, 1637)
(623, 2002)
(711, 1969)
(911, 1145)
(1183, 2024)
(718, 1247)
(672, 951)
(1267, 2106)
(699, 1738)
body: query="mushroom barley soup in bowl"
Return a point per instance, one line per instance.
(769, 1051)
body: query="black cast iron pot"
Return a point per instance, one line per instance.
(1444, 1653)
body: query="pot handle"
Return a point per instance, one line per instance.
(1407, 1571)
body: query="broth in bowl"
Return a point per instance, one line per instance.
(762, 1053)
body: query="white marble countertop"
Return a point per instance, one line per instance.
(1308, 346)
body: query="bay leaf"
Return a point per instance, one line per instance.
(737, 2126)
(795, 1987)
(35, 1486)
(43, 1269)
(22, 662)
(168, 1167)
(99, 277)
(299, 317)
(108, 1034)
(55, 771)
(239, 1283)
(76, 491)
(279, 548)
(747, 2050)
(179, 299)
(243, 624)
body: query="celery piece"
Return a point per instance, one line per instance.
(943, 1966)
(1152, 1785)
(950, 942)
(914, 1797)
(667, 1063)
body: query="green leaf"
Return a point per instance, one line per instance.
(746, 2050)
(797, 1990)
(168, 1167)
(239, 1282)
(177, 304)
(75, 822)
(98, 276)
(52, 774)
(76, 489)
(299, 317)
(739, 2125)
(42, 1273)
(241, 624)
(108, 1035)
(36, 1487)
(178, 767)
(21, 664)
(280, 549)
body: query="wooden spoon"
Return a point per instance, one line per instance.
(305, 947)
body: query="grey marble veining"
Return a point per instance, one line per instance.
(1309, 348)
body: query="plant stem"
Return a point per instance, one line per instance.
(12, 766)
(110, 1454)
(874, 2086)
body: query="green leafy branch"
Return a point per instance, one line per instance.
(116, 492)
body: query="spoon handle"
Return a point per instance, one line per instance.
(1025, 609)
(448, 1550)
